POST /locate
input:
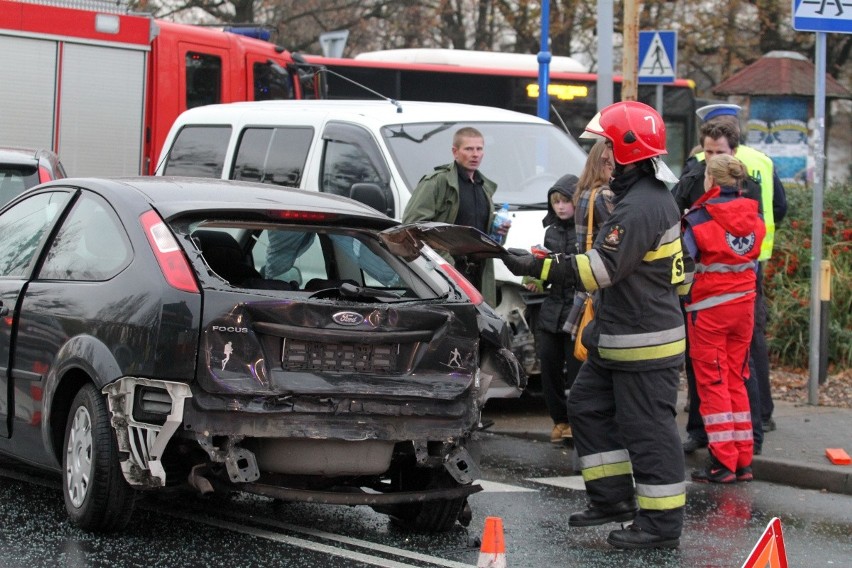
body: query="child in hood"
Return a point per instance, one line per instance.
(555, 348)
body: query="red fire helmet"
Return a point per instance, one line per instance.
(637, 131)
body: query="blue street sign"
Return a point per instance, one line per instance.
(822, 16)
(657, 56)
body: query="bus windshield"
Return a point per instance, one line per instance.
(523, 159)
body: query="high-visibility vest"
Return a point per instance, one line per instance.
(760, 167)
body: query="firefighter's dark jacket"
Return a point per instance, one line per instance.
(637, 264)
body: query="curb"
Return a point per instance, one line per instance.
(785, 472)
(780, 471)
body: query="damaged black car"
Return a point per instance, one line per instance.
(183, 334)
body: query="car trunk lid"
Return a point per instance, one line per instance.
(327, 348)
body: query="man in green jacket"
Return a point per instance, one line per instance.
(459, 194)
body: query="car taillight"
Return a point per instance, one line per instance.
(456, 276)
(170, 257)
(44, 174)
(291, 215)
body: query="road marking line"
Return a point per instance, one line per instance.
(494, 487)
(311, 545)
(568, 482)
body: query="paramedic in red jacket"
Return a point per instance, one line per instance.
(723, 233)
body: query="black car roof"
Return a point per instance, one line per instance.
(175, 197)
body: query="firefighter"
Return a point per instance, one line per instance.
(622, 403)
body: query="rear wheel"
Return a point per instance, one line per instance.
(97, 497)
(431, 516)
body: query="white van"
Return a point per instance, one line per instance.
(376, 152)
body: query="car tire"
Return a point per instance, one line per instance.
(97, 497)
(432, 516)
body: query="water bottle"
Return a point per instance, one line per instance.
(499, 218)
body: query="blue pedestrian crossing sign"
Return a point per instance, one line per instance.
(822, 16)
(657, 56)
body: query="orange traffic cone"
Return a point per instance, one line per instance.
(492, 553)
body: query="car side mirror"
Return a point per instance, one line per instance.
(374, 196)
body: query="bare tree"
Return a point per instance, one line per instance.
(715, 39)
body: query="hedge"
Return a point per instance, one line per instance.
(787, 275)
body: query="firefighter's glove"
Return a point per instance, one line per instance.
(521, 263)
(561, 269)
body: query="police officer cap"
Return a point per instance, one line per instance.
(705, 113)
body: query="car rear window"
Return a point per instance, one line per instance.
(14, 179)
(307, 259)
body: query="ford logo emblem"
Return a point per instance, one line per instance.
(347, 318)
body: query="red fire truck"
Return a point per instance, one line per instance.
(101, 87)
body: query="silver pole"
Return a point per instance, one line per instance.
(816, 217)
(604, 28)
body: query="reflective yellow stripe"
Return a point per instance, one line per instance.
(644, 353)
(683, 289)
(599, 272)
(661, 497)
(607, 470)
(584, 271)
(665, 251)
(661, 503)
(627, 340)
(760, 167)
(545, 269)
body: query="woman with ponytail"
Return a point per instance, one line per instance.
(723, 232)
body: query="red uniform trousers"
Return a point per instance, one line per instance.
(719, 339)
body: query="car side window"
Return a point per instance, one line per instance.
(90, 245)
(198, 151)
(345, 165)
(350, 156)
(272, 155)
(23, 228)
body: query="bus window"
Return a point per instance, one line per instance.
(203, 79)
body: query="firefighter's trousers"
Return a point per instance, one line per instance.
(719, 339)
(625, 429)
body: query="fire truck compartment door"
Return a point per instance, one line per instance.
(26, 91)
(102, 99)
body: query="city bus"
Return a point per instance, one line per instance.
(503, 80)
